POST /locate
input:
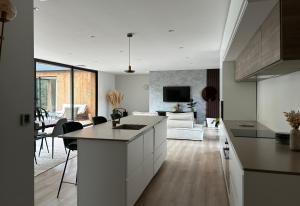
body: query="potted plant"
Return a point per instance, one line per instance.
(293, 118)
(191, 105)
(216, 122)
(115, 99)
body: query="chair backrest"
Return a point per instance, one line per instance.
(99, 120)
(71, 127)
(58, 129)
(36, 129)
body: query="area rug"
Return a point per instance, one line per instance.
(45, 161)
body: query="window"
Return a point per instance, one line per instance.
(66, 92)
(84, 95)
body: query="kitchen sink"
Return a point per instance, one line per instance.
(130, 126)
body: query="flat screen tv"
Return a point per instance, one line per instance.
(176, 94)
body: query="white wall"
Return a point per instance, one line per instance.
(106, 82)
(136, 91)
(239, 97)
(17, 97)
(275, 96)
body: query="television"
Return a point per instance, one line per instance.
(176, 94)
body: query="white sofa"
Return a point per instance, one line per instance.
(145, 113)
(80, 111)
(182, 126)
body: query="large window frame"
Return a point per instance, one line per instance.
(72, 82)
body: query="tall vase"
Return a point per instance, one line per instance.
(295, 140)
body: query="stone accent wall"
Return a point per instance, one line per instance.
(196, 79)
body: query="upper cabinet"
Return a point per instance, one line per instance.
(275, 47)
(270, 38)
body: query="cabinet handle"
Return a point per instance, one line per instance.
(226, 151)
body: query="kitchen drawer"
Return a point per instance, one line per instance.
(135, 155)
(236, 178)
(160, 133)
(159, 150)
(158, 138)
(149, 142)
(148, 169)
(134, 187)
(160, 158)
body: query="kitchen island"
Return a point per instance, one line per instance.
(258, 171)
(116, 165)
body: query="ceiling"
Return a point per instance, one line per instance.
(93, 33)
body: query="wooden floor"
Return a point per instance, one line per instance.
(191, 176)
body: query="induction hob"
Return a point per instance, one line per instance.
(253, 133)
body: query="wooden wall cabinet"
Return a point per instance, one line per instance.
(275, 47)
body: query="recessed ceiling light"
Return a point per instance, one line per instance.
(171, 30)
(80, 65)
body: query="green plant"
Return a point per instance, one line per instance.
(191, 105)
(216, 121)
(116, 114)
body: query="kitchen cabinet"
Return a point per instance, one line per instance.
(115, 166)
(250, 59)
(270, 38)
(258, 171)
(274, 49)
(145, 155)
(233, 172)
(160, 145)
(236, 174)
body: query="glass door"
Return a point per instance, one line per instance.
(46, 93)
(84, 95)
(53, 90)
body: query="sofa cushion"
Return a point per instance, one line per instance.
(80, 108)
(180, 123)
(180, 116)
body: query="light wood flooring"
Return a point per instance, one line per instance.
(191, 176)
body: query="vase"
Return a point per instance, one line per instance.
(295, 140)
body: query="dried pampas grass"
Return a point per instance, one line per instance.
(115, 98)
(293, 118)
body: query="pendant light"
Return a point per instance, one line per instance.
(129, 35)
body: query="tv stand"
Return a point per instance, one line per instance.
(163, 113)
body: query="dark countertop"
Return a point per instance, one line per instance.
(260, 154)
(105, 131)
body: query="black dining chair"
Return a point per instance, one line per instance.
(99, 120)
(36, 126)
(70, 144)
(40, 136)
(57, 130)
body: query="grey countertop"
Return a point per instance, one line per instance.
(105, 131)
(264, 155)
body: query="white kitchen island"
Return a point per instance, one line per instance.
(116, 165)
